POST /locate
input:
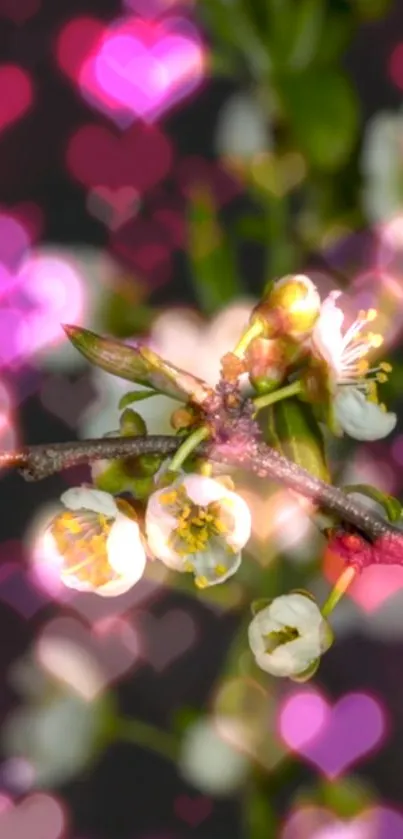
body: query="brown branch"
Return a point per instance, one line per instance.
(38, 462)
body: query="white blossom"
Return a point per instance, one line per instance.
(289, 635)
(198, 525)
(351, 381)
(95, 543)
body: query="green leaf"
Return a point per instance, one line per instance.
(390, 504)
(290, 427)
(304, 37)
(135, 396)
(138, 364)
(322, 111)
(214, 273)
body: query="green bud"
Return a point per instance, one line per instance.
(132, 424)
(148, 464)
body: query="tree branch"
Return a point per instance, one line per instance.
(38, 462)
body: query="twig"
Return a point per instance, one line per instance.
(38, 462)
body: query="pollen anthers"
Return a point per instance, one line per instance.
(81, 539)
(196, 525)
(355, 367)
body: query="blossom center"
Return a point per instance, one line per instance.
(349, 359)
(277, 638)
(196, 524)
(81, 537)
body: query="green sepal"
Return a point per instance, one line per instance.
(138, 364)
(132, 424)
(135, 396)
(115, 480)
(260, 604)
(308, 673)
(290, 427)
(390, 504)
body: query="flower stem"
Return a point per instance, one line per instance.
(276, 395)
(253, 331)
(188, 446)
(144, 734)
(345, 579)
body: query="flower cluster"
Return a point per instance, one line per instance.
(192, 520)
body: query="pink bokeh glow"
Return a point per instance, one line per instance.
(133, 68)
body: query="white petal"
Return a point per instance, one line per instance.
(327, 338)
(203, 490)
(84, 498)
(361, 419)
(126, 554)
(159, 525)
(241, 520)
(295, 610)
(205, 564)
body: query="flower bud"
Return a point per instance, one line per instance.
(132, 424)
(288, 636)
(290, 306)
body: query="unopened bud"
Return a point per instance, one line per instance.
(132, 424)
(290, 306)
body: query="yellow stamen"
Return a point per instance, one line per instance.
(362, 366)
(375, 340)
(169, 498)
(220, 570)
(201, 582)
(384, 365)
(188, 566)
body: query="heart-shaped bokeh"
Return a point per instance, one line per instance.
(110, 647)
(166, 637)
(132, 68)
(319, 823)
(138, 159)
(38, 816)
(16, 94)
(332, 737)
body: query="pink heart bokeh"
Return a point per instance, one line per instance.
(16, 94)
(140, 158)
(372, 587)
(319, 823)
(39, 816)
(111, 647)
(167, 637)
(332, 737)
(193, 811)
(133, 68)
(19, 12)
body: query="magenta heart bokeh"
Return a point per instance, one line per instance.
(319, 823)
(332, 737)
(134, 68)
